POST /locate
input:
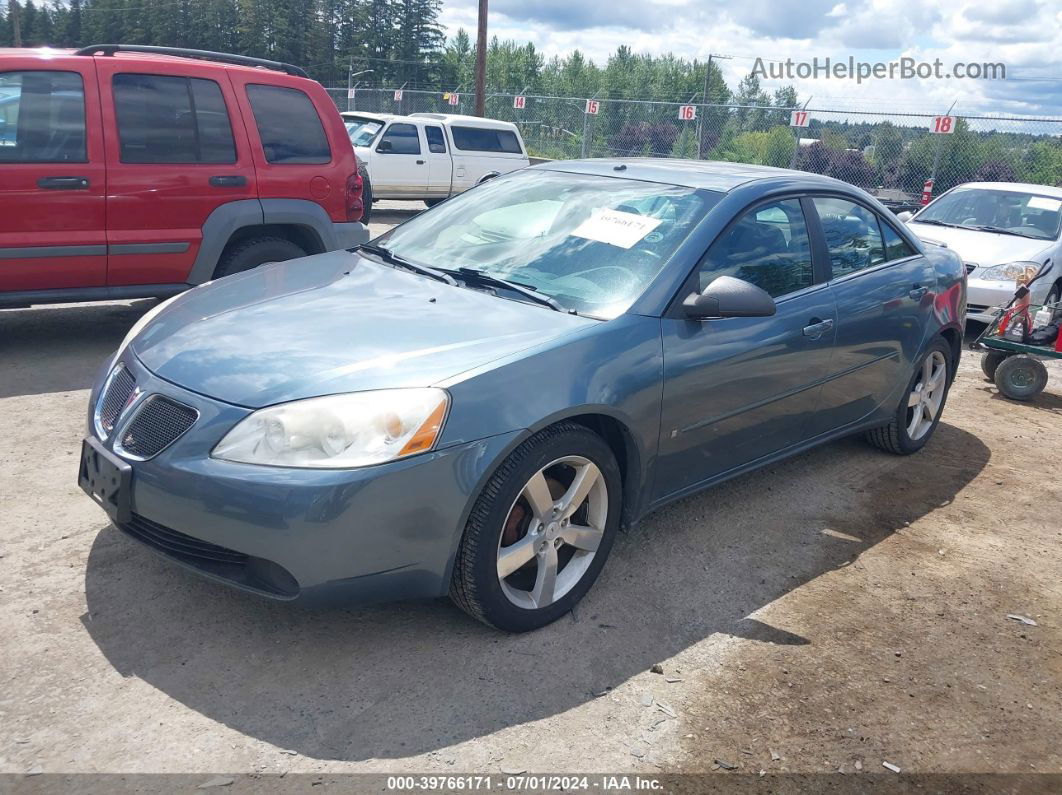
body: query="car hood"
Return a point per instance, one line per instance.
(983, 248)
(332, 323)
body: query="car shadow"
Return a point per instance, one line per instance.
(402, 679)
(68, 344)
(391, 214)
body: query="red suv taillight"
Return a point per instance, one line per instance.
(355, 205)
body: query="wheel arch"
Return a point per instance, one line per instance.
(953, 336)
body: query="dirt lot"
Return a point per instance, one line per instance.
(835, 611)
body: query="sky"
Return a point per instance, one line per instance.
(1026, 35)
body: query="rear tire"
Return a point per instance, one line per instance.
(1021, 377)
(567, 549)
(896, 437)
(429, 203)
(254, 252)
(990, 363)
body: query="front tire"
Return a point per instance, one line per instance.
(918, 414)
(1021, 377)
(540, 531)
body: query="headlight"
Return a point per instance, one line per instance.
(1011, 272)
(339, 431)
(146, 318)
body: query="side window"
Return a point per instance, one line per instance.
(477, 139)
(42, 117)
(403, 140)
(852, 235)
(436, 141)
(768, 246)
(895, 246)
(288, 125)
(164, 119)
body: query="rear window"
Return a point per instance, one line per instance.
(476, 139)
(163, 119)
(42, 117)
(288, 124)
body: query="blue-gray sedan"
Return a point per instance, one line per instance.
(474, 403)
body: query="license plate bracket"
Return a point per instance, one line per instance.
(107, 479)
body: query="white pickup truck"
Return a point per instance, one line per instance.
(431, 156)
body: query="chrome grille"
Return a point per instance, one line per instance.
(157, 424)
(118, 389)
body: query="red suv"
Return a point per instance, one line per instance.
(132, 172)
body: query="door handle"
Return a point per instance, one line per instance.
(818, 328)
(229, 181)
(918, 293)
(63, 183)
(420, 162)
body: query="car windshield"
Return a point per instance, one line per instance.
(362, 131)
(590, 242)
(1024, 214)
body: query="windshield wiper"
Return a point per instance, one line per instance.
(1001, 231)
(482, 277)
(932, 221)
(389, 256)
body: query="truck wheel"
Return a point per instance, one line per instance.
(254, 252)
(1021, 377)
(433, 202)
(366, 197)
(990, 363)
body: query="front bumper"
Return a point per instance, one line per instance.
(985, 298)
(322, 536)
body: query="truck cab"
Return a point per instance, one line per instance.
(432, 156)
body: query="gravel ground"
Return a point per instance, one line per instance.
(835, 611)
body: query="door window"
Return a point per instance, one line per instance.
(164, 119)
(768, 246)
(288, 124)
(895, 246)
(852, 235)
(403, 140)
(436, 141)
(42, 117)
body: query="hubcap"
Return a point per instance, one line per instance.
(923, 404)
(552, 532)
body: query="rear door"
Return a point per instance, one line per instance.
(482, 151)
(52, 175)
(177, 150)
(400, 165)
(440, 164)
(884, 291)
(739, 389)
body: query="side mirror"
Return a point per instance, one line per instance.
(729, 297)
(385, 146)
(905, 216)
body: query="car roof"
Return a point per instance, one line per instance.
(364, 114)
(53, 53)
(703, 174)
(471, 121)
(1014, 187)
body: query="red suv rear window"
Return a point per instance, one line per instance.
(288, 124)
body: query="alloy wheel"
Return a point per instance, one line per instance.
(552, 532)
(923, 404)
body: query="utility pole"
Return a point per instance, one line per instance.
(12, 11)
(481, 61)
(700, 116)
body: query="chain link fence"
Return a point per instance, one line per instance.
(890, 154)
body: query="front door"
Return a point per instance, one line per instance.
(400, 167)
(739, 389)
(52, 177)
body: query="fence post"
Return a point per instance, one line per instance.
(586, 131)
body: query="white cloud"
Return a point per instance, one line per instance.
(1026, 35)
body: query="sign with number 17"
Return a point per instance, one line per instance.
(798, 118)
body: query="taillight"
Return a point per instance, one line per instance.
(355, 205)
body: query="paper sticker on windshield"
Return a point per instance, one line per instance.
(1044, 203)
(616, 228)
